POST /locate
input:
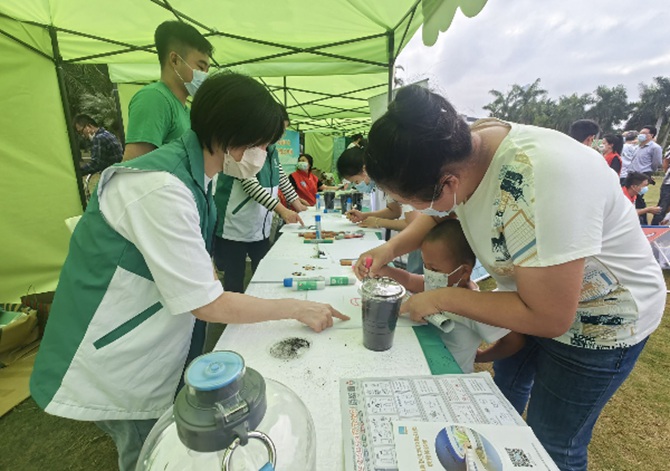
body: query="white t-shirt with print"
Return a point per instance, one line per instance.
(546, 200)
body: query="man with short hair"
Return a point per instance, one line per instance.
(158, 114)
(636, 185)
(584, 131)
(647, 159)
(106, 149)
(629, 148)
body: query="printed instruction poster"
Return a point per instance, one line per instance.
(370, 406)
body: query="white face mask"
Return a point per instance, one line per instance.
(302, 166)
(198, 77)
(429, 211)
(434, 280)
(251, 163)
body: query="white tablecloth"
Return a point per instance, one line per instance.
(333, 354)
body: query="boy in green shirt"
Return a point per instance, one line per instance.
(158, 114)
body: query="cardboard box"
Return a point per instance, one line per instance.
(18, 327)
(41, 302)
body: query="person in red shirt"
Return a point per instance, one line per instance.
(613, 145)
(305, 182)
(637, 184)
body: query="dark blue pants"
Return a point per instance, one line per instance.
(230, 257)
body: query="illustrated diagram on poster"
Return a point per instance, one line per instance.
(370, 406)
(423, 446)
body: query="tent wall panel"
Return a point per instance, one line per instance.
(320, 147)
(39, 189)
(32, 36)
(126, 93)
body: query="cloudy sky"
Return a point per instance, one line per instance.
(571, 45)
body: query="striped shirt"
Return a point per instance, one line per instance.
(253, 188)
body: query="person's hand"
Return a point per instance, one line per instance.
(299, 205)
(317, 316)
(289, 217)
(380, 257)
(355, 215)
(664, 222)
(371, 222)
(654, 209)
(421, 305)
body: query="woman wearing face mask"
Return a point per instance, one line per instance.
(139, 272)
(245, 204)
(546, 218)
(305, 183)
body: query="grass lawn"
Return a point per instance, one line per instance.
(633, 432)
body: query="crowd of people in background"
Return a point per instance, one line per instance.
(636, 155)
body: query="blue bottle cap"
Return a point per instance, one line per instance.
(214, 370)
(317, 218)
(288, 282)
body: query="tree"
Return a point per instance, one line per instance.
(521, 104)
(91, 92)
(653, 107)
(610, 107)
(568, 110)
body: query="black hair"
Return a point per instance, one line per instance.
(233, 110)
(450, 232)
(356, 137)
(84, 120)
(652, 129)
(310, 160)
(582, 129)
(635, 178)
(630, 136)
(616, 140)
(415, 142)
(179, 37)
(351, 162)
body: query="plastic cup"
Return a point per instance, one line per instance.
(381, 304)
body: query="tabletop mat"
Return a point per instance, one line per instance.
(440, 361)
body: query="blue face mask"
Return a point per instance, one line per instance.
(642, 137)
(198, 77)
(365, 187)
(643, 191)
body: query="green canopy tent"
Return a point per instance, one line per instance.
(322, 59)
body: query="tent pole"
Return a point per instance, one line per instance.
(285, 93)
(391, 57)
(74, 146)
(117, 101)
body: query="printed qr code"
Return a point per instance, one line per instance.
(519, 458)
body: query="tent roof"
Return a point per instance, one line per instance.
(322, 58)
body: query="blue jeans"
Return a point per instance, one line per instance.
(568, 388)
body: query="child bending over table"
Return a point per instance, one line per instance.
(449, 261)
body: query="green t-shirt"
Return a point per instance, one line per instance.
(156, 116)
